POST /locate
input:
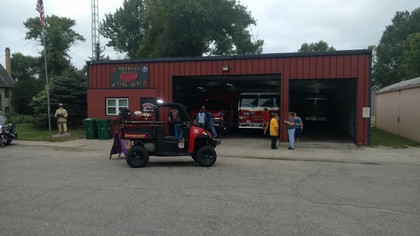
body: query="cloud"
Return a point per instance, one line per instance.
(283, 25)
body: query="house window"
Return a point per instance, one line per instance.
(6, 92)
(114, 105)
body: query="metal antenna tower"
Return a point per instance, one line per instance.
(95, 28)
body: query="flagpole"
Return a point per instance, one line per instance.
(40, 8)
(46, 81)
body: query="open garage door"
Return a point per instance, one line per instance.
(326, 107)
(219, 93)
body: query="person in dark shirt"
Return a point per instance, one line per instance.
(170, 122)
(177, 121)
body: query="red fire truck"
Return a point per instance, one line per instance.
(251, 105)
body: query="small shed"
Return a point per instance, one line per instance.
(397, 108)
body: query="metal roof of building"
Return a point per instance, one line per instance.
(5, 80)
(233, 57)
(405, 84)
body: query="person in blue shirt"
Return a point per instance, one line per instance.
(298, 127)
(290, 125)
(210, 119)
(177, 122)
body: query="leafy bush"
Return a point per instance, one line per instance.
(18, 119)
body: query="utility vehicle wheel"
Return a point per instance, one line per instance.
(137, 157)
(206, 156)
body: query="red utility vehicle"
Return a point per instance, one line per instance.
(146, 137)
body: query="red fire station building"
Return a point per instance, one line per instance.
(332, 85)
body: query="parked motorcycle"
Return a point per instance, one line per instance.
(8, 132)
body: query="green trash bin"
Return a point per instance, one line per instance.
(104, 128)
(91, 128)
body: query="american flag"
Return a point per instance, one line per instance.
(40, 9)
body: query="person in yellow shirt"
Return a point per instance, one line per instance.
(274, 130)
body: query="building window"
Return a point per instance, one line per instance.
(7, 109)
(114, 105)
(6, 92)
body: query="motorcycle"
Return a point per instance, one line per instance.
(8, 132)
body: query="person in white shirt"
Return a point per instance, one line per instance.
(201, 117)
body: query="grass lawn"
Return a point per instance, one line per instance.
(383, 138)
(30, 132)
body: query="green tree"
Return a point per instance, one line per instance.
(182, 28)
(320, 46)
(25, 69)
(125, 28)
(59, 37)
(398, 50)
(410, 64)
(66, 83)
(99, 56)
(69, 89)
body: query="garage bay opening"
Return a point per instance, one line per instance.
(235, 101)
(326, 107)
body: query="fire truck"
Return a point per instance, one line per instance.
(251, 105)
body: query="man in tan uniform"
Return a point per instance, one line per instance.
(61, 116)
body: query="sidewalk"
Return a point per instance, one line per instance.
(260, 148)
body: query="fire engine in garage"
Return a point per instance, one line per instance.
(251, 106)
(220, 106)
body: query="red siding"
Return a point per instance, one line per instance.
(161, 74)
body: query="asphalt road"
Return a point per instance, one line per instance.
(48, 190)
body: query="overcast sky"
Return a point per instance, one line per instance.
(283, 25)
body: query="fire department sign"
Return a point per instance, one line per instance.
(129, 76)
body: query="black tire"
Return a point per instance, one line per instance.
(206, 156)
(7, 142)
(137, 157)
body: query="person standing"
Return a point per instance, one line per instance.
(61, 116)
(201, 118)
(266, 119)
(177, 121)
(298, 127)
(171, 123)
(222, 124)
(210, 119)
(274, 130)
(290, 125)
